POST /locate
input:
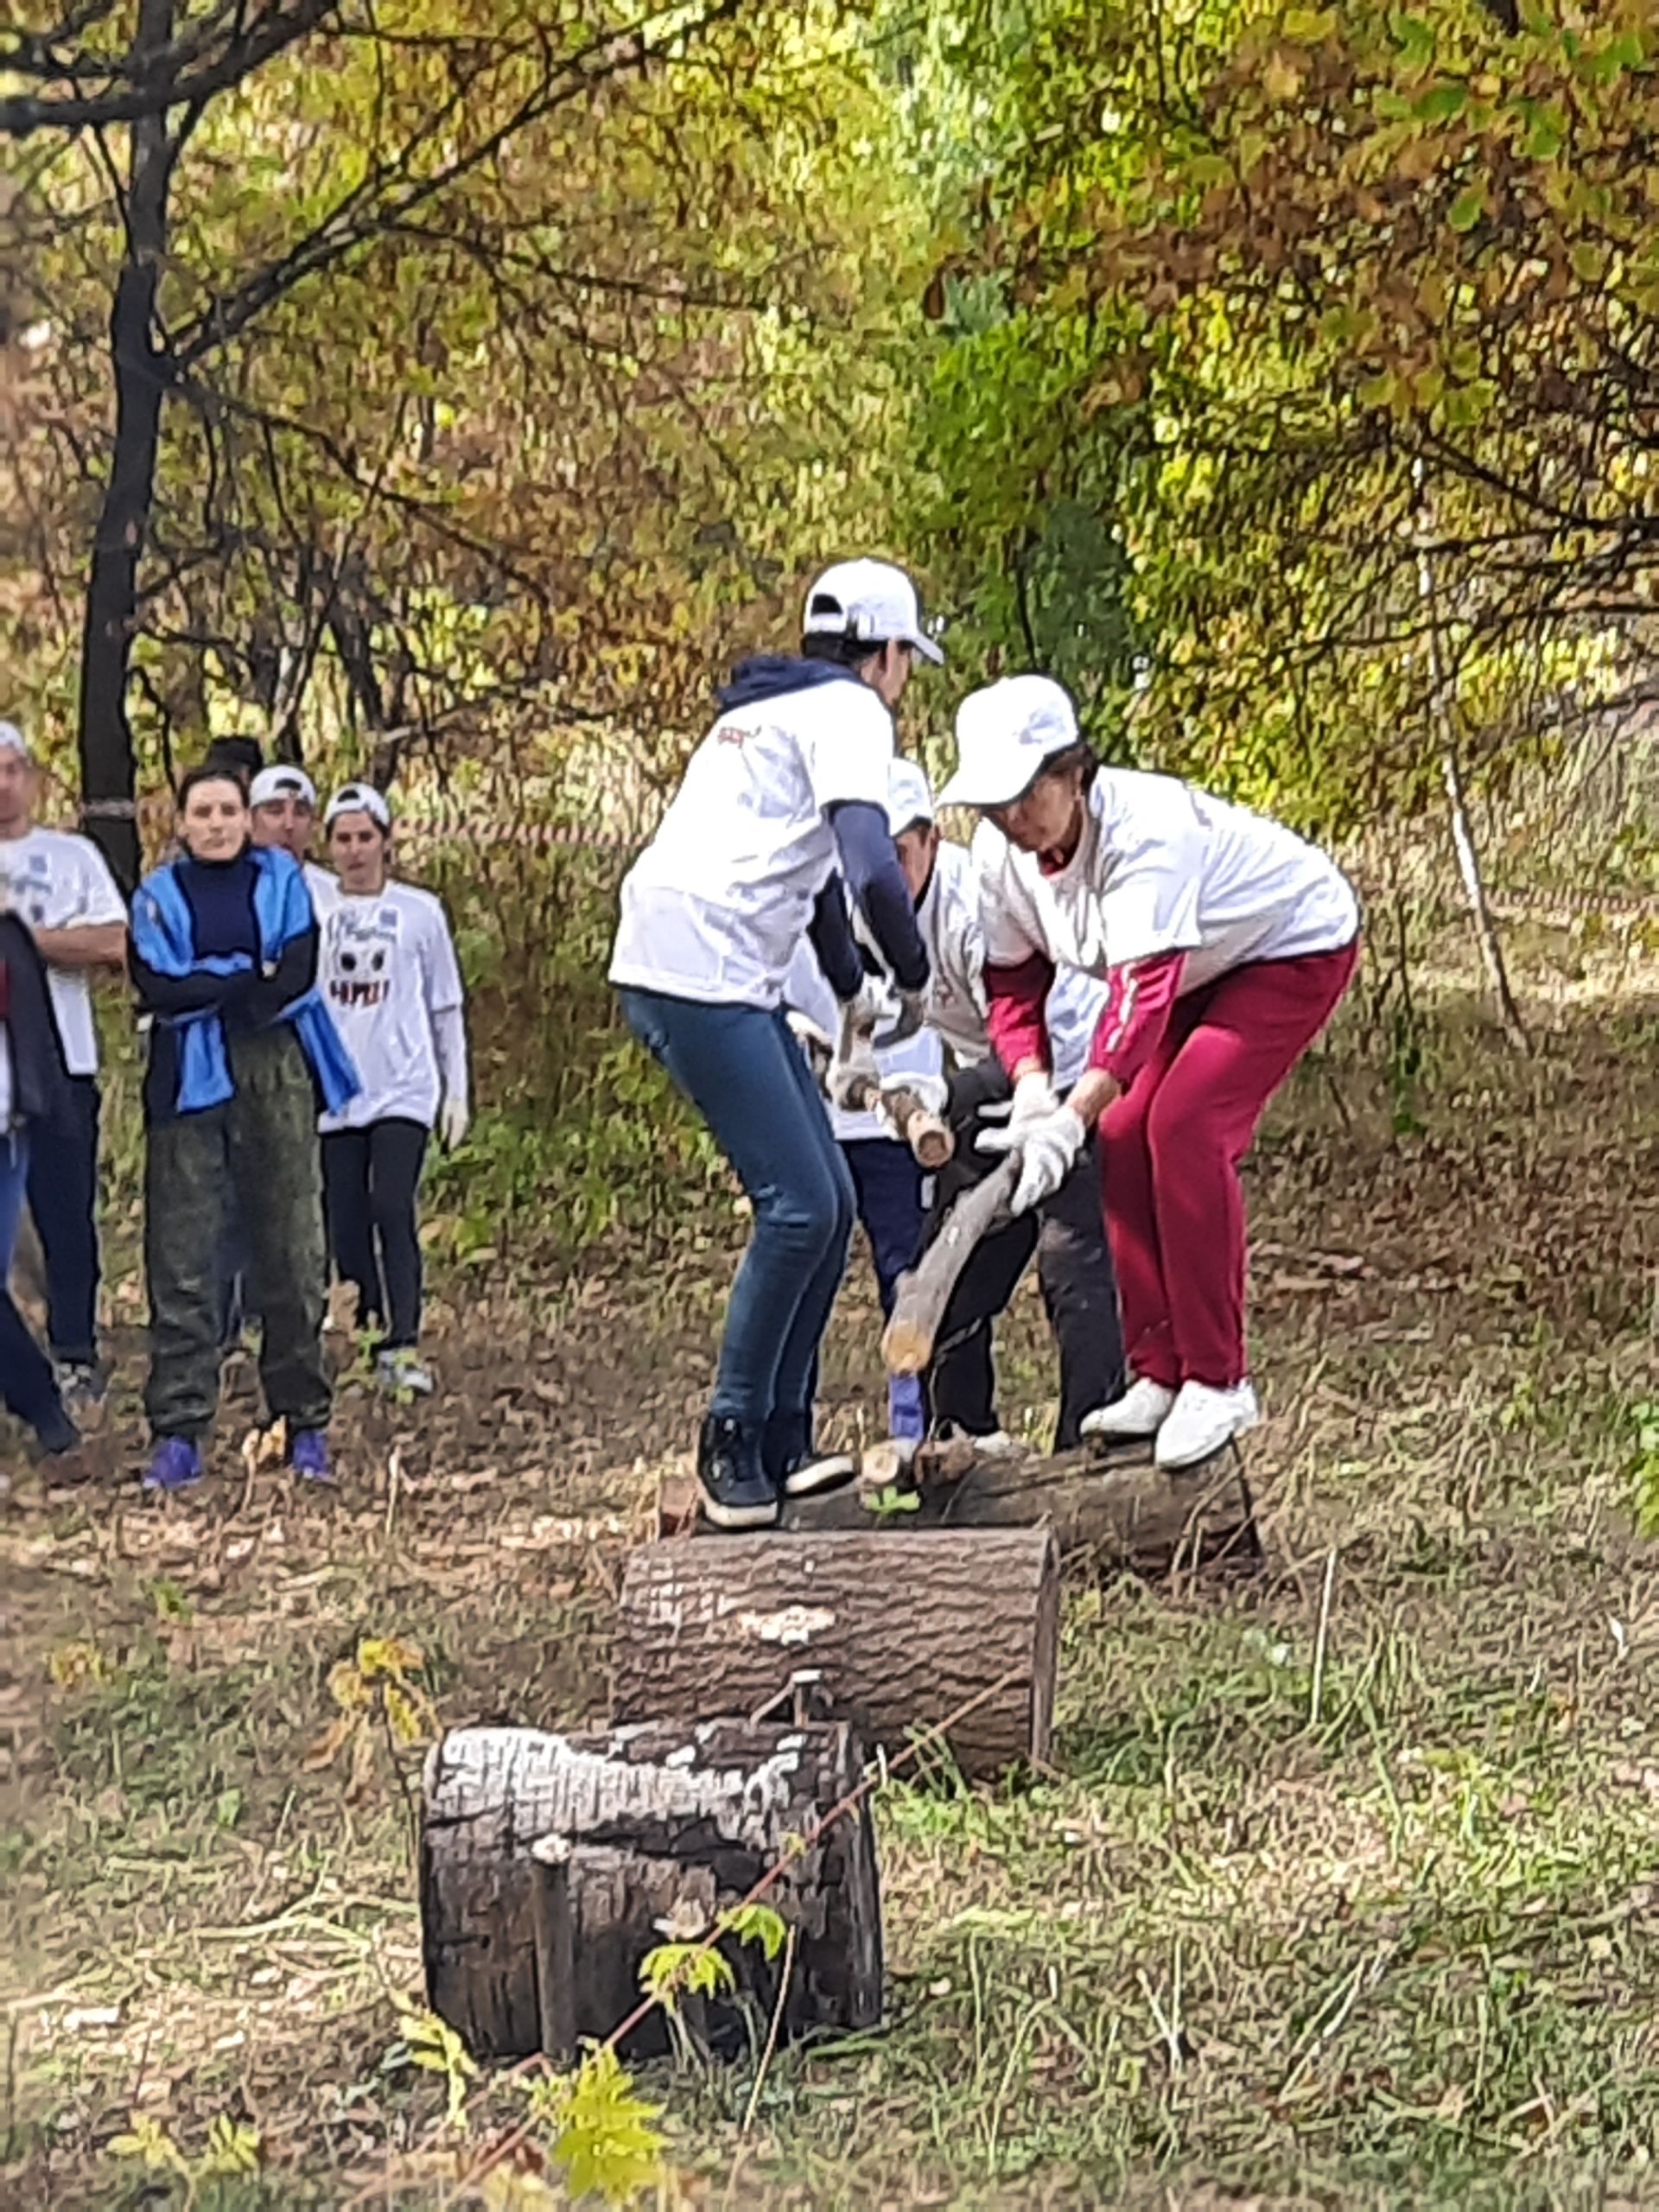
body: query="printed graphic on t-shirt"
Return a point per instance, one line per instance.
(26, 887)
(359, 955)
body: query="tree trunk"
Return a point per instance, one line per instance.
(925, 1292)
(547, 1863)
(142, 370)
(1125, 1511)
(903, 1628)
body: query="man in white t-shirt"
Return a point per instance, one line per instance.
(388, 975)
(284, 802)
(60, 887)
(780, 816)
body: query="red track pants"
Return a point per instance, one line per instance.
(1170, 1150)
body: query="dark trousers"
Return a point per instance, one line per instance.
(26, 1387)
(258, 1153)
(63, 1200)
(887, 1186)
(1074, 1273)
(744, 1072)
(370, 1178)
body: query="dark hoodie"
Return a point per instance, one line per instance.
(38, 1077)
(869, 866)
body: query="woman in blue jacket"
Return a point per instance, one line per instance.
(242, 1057)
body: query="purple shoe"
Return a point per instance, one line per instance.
(307, 1454)
(175, 1463)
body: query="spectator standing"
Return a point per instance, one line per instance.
(393, 984)
(224, 960)
(284, 802)
(59, 886)
(32, 1078)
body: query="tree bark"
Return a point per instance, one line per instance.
(547, 1863)
(925, 1292)
(142, 371)
(1126, 1513)
(904, 1629)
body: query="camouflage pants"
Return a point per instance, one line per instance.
(259, 1152)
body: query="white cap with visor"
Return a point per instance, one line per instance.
(910, 798)
(871, 600)
(1004, 734)
(358, 798)
(282, 781)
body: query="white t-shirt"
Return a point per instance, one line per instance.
(807, 989)
(386, 969)
(1162, 868)
(324, 888)
(53, 879)
(949, 920)
(714, 906)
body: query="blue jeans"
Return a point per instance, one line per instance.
(14, 1181)
(743, 1072)
(889, 1183)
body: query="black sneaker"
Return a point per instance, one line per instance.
(737, 1492)
(794, 1462)
(58, 1434)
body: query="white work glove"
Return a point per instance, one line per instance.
(453, 1122)
(814, 1042)
(931, 1092)
(1035, 1099)
(852, 1064)
(1047, 1149)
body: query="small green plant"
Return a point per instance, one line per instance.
(232, 2149)
(886, 1504)
(436, 2047)
(1644, 1465)
(604, 2137)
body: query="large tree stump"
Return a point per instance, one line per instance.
(547, 1861)
(903, 1628)
(1129, 1513)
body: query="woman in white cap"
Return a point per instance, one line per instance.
(1228, 943)
(1065, 1233)
(284, 800)
(391, 982)
(784, 799)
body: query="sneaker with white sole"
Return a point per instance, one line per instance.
(999, 1445)
(403, 1370)
(1201, 1421)
(1141, 1412)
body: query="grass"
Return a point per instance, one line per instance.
(1342, 1887)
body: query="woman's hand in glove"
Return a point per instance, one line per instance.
(1047, 1149)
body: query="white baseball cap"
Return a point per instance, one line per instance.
(1004, 733)
(284, 781)
(13, 741)
(358, 798)
(910, 799)
(869, 600)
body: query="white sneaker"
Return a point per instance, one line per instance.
(999, 1445)
(1201, 1421)
(1141, 1411)
(403, 1372)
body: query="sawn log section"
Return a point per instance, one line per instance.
(1126, 1512)
(904, 1629)
(547, 1863)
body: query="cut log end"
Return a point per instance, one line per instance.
(907, 1347)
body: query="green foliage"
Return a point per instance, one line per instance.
(673, 1971)
(1644, 1465)
(434, 2046)
(890, 1502)
(604, 2137)
(232, 2150)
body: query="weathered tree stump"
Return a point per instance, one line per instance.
(547, 1863)
(904, 1628)
(1129, 1513)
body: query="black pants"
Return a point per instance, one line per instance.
(371, 1177)
(63, 1200)
(1074, 1273)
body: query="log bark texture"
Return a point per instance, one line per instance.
(1129, 1513)
(547, 1861)
(905, 1627)
(925, 1292)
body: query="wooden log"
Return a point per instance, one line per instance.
(923, 1294)
(1130, 1514)
(546, 1862)
(930, 1138)
(904, 1628)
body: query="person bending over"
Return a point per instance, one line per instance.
(1227, 942)
(784, 798)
